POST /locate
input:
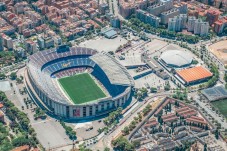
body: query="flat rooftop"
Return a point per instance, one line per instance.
(194, 74)
(215, 93)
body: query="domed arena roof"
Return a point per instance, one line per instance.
(176, 58)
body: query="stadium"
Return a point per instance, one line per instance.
(77, 83)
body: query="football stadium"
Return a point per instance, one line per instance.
(77, 83)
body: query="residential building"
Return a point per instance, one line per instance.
(49, 42)
(201, 28)
(103, 8)
(126, 10)
(2, 117)
(184, 18)
(41, 42)
(182, 6)
(177, 23)
(191, 23)
(128, 7)
(2, 6)
(1, 42)
(115, 22)
(57, 40)
(30, 46)
(168, 4)
(156, 9)
(169, 14)
(172, 24)
(147, 18)
(212, 16)
(220, 24)
(204, 29)
(7, 42)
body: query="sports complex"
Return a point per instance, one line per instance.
(76, 82)
(185, 71)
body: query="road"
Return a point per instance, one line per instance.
(114, 9)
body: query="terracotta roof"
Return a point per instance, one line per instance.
(193, 74)
(22, 148)
(1, 105)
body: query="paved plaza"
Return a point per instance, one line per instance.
(5, 86)
(104, 44)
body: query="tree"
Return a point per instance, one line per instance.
(20, 141)
(136, 144)
(205, 147)
(2, 76)
(125, 130)
(106, 149)
(153, 89)
(216, 134)
(122, 144)
(13, 75)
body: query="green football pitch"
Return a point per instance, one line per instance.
(221, 105)
(81, 88)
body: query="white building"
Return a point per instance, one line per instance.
(201, 28)
(177, 23)
(191, 23)
(204, 29)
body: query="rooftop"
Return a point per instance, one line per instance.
(116, 73)
(194, 74)
(215, 93)
(176, 58)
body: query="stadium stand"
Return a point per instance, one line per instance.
(45, 67)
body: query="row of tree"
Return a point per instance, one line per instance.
(19, 124)
(69, 131)
(113, 117)
(139, 26)
(215, 76)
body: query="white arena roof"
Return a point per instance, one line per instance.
(176, 58)
(116, 73)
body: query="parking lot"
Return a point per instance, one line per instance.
(88, 128)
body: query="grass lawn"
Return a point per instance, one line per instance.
(221, 106)
(81, 88)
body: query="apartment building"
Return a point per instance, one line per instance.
(220, 24)
(191, 23)
(212, 16)
(147, 18)
(201, 28)
(169, 14)
(177, 23)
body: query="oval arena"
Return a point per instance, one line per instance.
(77, 83)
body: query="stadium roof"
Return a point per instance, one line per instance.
(194, 74)
(215, 93)
(177, 58)
(116, 73)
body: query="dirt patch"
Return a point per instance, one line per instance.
(219, 49)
